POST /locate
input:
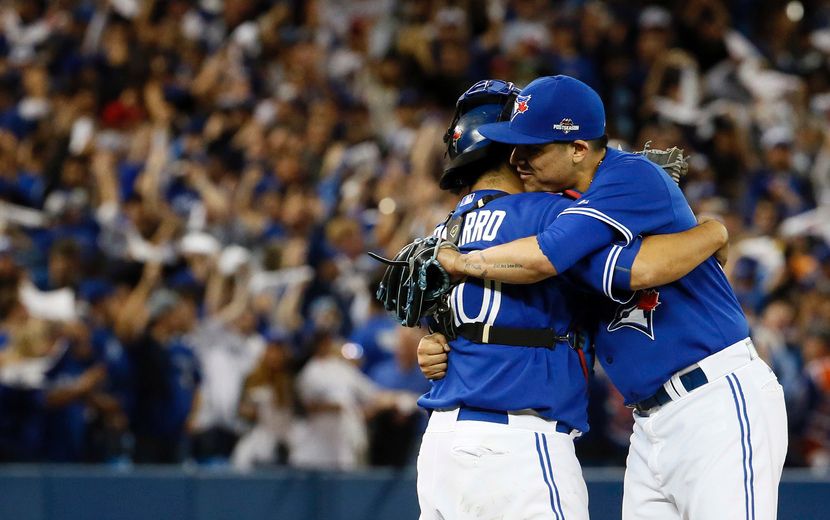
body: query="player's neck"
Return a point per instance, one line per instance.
(502, 179)
(586, 176)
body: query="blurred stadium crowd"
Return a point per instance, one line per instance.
(189, 188)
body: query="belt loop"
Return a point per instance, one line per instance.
(753, 353)
(485, 333)
(675, 388)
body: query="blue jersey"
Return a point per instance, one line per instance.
(647, 336)
(509, 378)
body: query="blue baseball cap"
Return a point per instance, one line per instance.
(551, 109)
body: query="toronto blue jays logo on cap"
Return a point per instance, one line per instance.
(566, 125)
(520, 106)
(456, 135)
(638, 313)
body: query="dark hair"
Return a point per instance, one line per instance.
(466, 175)
(599, 143)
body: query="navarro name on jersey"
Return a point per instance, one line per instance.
(479, 226)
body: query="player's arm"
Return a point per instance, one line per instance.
(660, 259)
(664, 259)
(617, 271)
(523, 261)
(520, 262)
(633, 200)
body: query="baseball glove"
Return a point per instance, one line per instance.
(671, 160)
(414, 282)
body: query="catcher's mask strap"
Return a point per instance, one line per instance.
(387, 261)
(512, 336)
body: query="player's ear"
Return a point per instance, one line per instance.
(580, 150)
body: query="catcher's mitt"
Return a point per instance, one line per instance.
(672, 160)
(414, 282)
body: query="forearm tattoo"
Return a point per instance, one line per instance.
(475, 264)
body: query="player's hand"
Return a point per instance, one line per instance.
(448, 257)
(432, 355)
(722, 254)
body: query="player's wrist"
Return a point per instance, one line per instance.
(458, 265)
(469, 264)
(449, 260)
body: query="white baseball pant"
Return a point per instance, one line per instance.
(524, 469)
(715, 452)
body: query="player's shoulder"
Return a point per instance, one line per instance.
(619, 166)
(542, 197)
(539, 200)
(621, 159)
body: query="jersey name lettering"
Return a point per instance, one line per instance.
(482, 225)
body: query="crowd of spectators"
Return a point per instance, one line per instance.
(188, 190)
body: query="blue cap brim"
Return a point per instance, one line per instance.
(502, 133)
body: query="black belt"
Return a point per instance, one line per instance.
(485, 333)
(690, 381)
(469, 413)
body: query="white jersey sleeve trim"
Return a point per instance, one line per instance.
(608, 274)
(591, 212)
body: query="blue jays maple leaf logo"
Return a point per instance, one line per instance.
(637, 314)
(520, 106)
(456, 135)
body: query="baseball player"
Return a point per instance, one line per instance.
(500, 436)
(710, 430)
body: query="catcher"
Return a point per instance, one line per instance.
(503, 420)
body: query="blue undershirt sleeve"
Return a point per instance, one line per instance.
(608, 270)
(621, 272)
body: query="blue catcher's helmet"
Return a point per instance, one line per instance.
(488, 101)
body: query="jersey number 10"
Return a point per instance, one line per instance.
(490, 291)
